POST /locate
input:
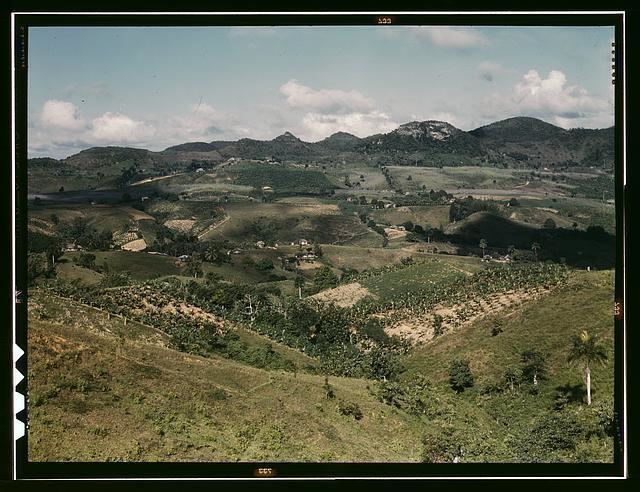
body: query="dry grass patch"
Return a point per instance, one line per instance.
(345, 295)
(182, 225)
(137, 245)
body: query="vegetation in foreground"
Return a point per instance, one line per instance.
(406, 304)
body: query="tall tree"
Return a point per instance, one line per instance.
(460, 376)
(483, 245)
(587, 350)
(533, 365)
(535, 247)
(299, 282)
(194, 266)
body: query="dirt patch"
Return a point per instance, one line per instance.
(137, 214)
(420, 329)
(394, 233)
(137, 245)
(345, 295)
(54, 344)
(182, 225)
(41, 230)
(188, 310)
(158, 178)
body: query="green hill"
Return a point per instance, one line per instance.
(98, 396)
(103, 390)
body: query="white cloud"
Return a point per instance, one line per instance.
(460, 38)
(553, 95)
(61, 114)
(550, 98)
(60, 130)
(202, 122)
(326, 101)
(116, 127)
(318, 126)
(313, 114)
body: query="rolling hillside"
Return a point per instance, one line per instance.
(101, 390)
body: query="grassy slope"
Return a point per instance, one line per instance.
(89, 389)
(355, 257)
(102, 217)
(65, 269)
(411, 279)
(142, 266)
(546, 324)
(421, 215)
(454, 177)
(95, 397)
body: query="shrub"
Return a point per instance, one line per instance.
(438, 329)
(217, 394)
(496, 329)
(390, 393)
(350, 408)
(328, 389)
(460, 376)
(441, 447)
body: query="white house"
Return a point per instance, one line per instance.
(303, 242)
(260, 244)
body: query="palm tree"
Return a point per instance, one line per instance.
(587, 350)
(299, 282)
(483, 245)
(535, 247)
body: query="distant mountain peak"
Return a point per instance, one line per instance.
(434, 129)
(287, 136)
(342, 136)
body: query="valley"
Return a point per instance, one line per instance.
(406, 297)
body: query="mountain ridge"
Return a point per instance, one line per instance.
(512, 141)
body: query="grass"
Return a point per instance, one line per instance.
(281, 179)
(318, 222)
(122, 395)
(102, 217)
(583, 211)
(412, 278)
(93, 401)
(454, 177)
(67, 270)
(545, 324)
(358, 258)
(141, 266)
(420, 215)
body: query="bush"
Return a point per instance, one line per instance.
(390, 393)
(441, 447)
(328, 389)
(217, 394)
(460, 376)
(496, 329)
(86, 260)
(350, 409)
(438, 329)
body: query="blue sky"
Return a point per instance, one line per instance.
(157, 87)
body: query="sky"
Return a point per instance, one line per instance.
(156, 87)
